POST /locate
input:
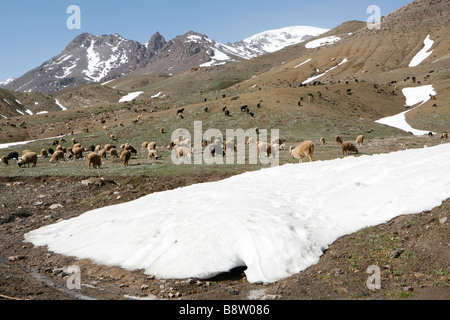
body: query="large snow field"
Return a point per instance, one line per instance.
(276, 221)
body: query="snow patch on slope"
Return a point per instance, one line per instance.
(414, 95)
(422, 54)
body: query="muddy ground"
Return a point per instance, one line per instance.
(411, 252)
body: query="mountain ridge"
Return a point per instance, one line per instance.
(98, 58)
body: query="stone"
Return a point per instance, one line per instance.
(396, 253)
(55, 206)
(443, 220)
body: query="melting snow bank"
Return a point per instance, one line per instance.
(60, 105)
(321, 75)
(275, 221)
(413, 96)
(131, 96)
(422, 54)
(322, 42)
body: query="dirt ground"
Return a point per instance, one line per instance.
(411, 252)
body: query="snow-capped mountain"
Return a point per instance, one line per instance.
(7, 81)
(89, 58)
(274, 40)
(86, 59)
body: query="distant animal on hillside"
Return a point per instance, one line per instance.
(338, 139)
(348, 147)
(13, 155)
(360, 140)
(95, 160)
(304, 149)
(27, 159)
(125, 157)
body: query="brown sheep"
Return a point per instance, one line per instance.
(113, 153)
(24, 152)
(95, 160)
(322, 140)
(171, 145)
(5, 160)
(76, 145)
(30, 157)
(57, 155)
(44, 153)
(306, 148)
(61, 148)
(151, 146)
(360, 140)
(444, 135)
(78, 152)
(108, 146)
(338, 139)
(125, 157)
(144, 145)
(102, 153)
(348, 147)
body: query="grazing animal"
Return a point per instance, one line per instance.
(30, 157)
(51, 151)
(264, 148)
(78, 152)
(13, 155)
(277, 140)
(113, 153)
(360, 140)
(244, 108)
(444, 135)
(304, 149)
(183, 152)
(348, 147)
(125, 157)
(56, 156)
(102, 153)
(151, 146)
(5, 160)
(322, 140)
(227, 113)
(152, 154)
(95, 160)
(44, 153)
(338, 139)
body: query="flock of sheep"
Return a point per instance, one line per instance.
(183, 148)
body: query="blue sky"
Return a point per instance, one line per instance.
(35, 31)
